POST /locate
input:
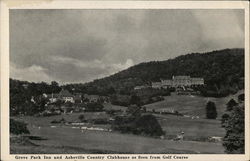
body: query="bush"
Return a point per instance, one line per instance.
(17, 127)
(100, 121)
(211, 111)
(82, 118)
(54, 122)
(58, 121)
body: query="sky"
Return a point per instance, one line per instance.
(78, 46)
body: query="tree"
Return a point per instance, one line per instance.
(135, 100)
(139, 125)
(55, 87)
(211, 111)
(148, 125)
(58, 103)
(40, 103)
(234, 141)
(110, 90)
(231, 104)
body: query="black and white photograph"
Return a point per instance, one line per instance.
(127, 81)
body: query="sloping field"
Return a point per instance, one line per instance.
(191, 105)
(194, 129)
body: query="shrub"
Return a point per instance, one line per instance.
(82, 118)
(54, 122)
(100, 121)
(58, 121)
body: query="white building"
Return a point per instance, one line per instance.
(178, 81)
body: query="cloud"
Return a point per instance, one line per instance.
(66, 68)
(221, 29)
(119, 66)
(33, 73)
(82, 45)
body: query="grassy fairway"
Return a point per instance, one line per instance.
(74, 140)
(191, 105)
(116, 142)
(195, 129)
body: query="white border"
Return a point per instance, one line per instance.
(50, 4)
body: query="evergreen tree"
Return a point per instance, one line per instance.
(231, 104)
(211, 111)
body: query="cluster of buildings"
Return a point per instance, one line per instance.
(66, 96)
(175, 82)
(178, 81)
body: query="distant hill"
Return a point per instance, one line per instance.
(222, 69)
(223, 72)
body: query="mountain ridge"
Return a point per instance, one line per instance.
(214, 67)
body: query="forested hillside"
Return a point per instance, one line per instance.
(223, 71)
